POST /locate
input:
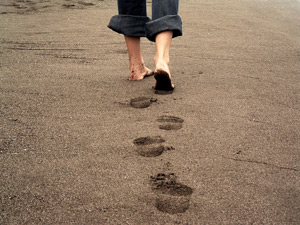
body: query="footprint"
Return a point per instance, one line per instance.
(171, 197)
(170, 122)
(151, 146)
(161, 92)
(142, 102)
(148, 140)
(68, 5)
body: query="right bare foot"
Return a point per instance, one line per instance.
(162, 76)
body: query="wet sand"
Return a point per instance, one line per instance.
(229, 131)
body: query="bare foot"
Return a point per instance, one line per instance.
(163, 77)
(163, 81)
(140, 75)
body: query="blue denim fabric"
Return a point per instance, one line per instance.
(133, 21)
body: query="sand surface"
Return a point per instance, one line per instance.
(230, 130)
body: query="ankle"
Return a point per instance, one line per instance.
(162, 59)
(135, 61)
(137, 67)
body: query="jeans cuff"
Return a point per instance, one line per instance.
(129, 25)
(169, 22)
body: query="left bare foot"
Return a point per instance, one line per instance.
(140, 75)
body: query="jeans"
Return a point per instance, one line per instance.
(133, 21)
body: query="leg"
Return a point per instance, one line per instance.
(164, 17)
(161, 60)
(162, 56)
(165, 25)
(131, 23)
(138, 71)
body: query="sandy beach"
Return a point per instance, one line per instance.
(81, 144)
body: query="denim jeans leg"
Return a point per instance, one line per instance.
(164, 17)
(131, 19)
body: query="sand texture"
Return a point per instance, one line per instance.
(81, 144)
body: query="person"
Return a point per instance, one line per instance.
(133, 23)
